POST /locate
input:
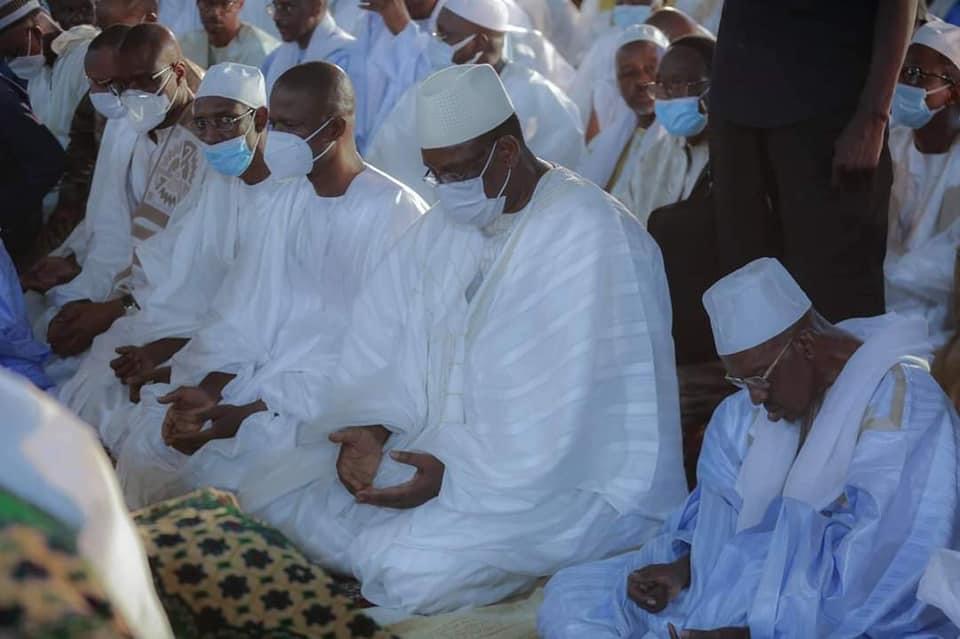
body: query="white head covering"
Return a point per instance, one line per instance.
(645, 33)
(460, 103)
(942, 37)
(489, 14)
(13, 10)
(754, 304)
(238, 82)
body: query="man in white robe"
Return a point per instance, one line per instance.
(543, 428)
(225, 37)
(924, 227)
(147, 164)
(824, 487)
(618, 147)
(300, 264)
(49, 59)
(53, 461)
(594, 89)
(476, 30)
(675, 152)
(178, 271)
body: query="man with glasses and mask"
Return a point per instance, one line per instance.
(824, 487)
(225, 38)
(254, 368)
(514, 354)
(472, 31)
(924, 229)
(177, 272)
(48, 58)
(677, 152)
(138, 184)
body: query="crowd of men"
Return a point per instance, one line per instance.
(424, 282)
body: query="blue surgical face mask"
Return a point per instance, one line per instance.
(910, 106)
(466, 202)
(231, 157)
(625, 15)
(681, 117)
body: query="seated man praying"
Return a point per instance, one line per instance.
(824, 487)
(506, 399)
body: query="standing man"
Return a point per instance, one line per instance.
(797, 142)
(225, 37)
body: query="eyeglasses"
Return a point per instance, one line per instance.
(220, 124)
(433, 178)
(670, 90)
(915, 75)
(759, 382)
(107, 85)
(275, 9)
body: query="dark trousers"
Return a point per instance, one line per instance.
(774, 198)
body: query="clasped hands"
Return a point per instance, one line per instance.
(191, 408)
(653, 587)
(361, 450)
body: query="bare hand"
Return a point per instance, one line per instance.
(134, 361)
(856, 153)
(76, 325)
(187, 412)
(719, 633)
(49, 272)
(654, 587)
(136, 383)
(361, 448)
(225, 419)
(394, 13)
(424, 486)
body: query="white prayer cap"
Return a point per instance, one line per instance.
(460, 103)
(237, 82)
(13, 10)
(754, 304)
(942, 37)
(489, 14)
(645, 33)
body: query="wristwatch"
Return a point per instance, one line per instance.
(130, 305)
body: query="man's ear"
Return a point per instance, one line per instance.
(260, 119)
(806, 341)
(337, 127)
(508, 151)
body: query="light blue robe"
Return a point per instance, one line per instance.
(19, 351)
(851, 570)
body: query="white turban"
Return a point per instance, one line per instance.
(237, 82)
(645, 33)
(13, 10)
(942, 37)
(460, 103)
(489, 14)
(753, 305)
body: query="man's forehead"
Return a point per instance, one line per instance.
(452, 156)
(639, 50)
(450, 23)
(682, 62)
(930, 59)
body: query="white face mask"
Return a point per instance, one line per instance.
(289, 156)
(28, 66)
(441, 54)
(146, 111)
(467, 203)
(109, 105)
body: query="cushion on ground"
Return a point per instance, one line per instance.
(220, 573)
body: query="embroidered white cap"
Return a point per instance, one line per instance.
(238, 82)
(645, 33)
(489, 14)
(13, 10)
(942, 37)
(460, 103)
(754, 304)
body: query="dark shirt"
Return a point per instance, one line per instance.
(779, 62)
(31, 162)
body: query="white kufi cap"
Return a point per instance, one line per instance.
(460, 103)
(645, 33)
(754, 304)
(238, 82)
(489, 14)
(13, 10)
(942, 37)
